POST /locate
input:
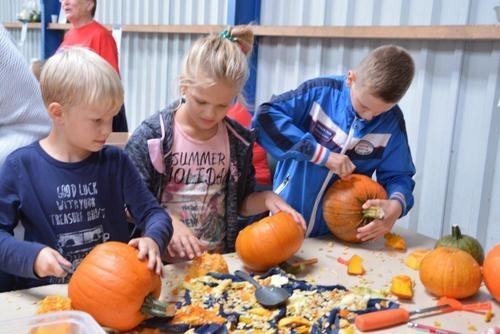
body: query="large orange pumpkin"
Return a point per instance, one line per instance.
(342, 205)
(491, 272)
(111, 284)
(450, 272)
(269, 241)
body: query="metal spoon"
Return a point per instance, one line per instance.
(267, 296)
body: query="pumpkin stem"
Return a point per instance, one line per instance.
(455, 232)
(156, 308)
(373, 212)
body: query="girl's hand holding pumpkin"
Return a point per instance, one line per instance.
(276, 204)
(379, 227)
(48, 263)
(149, 248)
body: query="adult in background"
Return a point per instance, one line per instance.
(23, 118)
(89, 33)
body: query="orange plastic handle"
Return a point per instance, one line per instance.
(381, 319)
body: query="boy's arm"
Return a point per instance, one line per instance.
(396, 172)
(17, 257)
(144, 207)
(280, 126)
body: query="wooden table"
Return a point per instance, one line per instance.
(380, 263)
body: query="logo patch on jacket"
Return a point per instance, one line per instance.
(364, 147)
(370, 146)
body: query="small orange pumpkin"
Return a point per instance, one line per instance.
(269, 241)
(112, 284)
(450, 272)
(342, 205)
(491, 272)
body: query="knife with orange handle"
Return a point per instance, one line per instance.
(392, 317)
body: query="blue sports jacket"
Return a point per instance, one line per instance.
(301, 127)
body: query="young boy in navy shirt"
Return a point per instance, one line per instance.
(70, 190)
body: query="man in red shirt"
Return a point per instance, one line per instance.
(91, 34)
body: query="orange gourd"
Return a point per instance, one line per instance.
(342, 205)
(112, 285)
(269, 242)
(491, 272)
(450, 272)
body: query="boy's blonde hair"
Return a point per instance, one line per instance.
(77, 76)
(218, 57)
(386, 72)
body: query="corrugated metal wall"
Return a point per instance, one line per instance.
(32, 45)
(150, 63)
(451, 110)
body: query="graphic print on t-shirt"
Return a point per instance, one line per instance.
(77, 220)
(195, 190)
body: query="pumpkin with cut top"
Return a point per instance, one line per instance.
(115, 287)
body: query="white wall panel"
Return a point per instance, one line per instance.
(451, 110)
(162, 12)
(150, 63)
(32, 45)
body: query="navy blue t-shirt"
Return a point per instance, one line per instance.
(71, 207)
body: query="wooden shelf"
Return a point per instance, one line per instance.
(440, 32)
(450, 32)
(19, 25)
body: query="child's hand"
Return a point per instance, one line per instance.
(148, 247)
(184, 243)
(340, 164)
(48, 263)
(275, 204)
(378, 227)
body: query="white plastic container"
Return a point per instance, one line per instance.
(63, 322)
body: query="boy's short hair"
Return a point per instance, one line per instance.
(386, 72)
(77, 76)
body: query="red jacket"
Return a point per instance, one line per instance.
(262, 174)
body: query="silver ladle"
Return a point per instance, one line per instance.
(267, 296)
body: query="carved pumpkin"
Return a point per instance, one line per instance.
(342, 205)
(450, 272)
(491, 272)
(112, 284)
(269, 241)
(463, 242)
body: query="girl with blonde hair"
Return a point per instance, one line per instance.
(197, 161)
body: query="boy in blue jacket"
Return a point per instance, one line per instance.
(330, 127)
(69, 190)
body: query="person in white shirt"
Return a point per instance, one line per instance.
(23, 118)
